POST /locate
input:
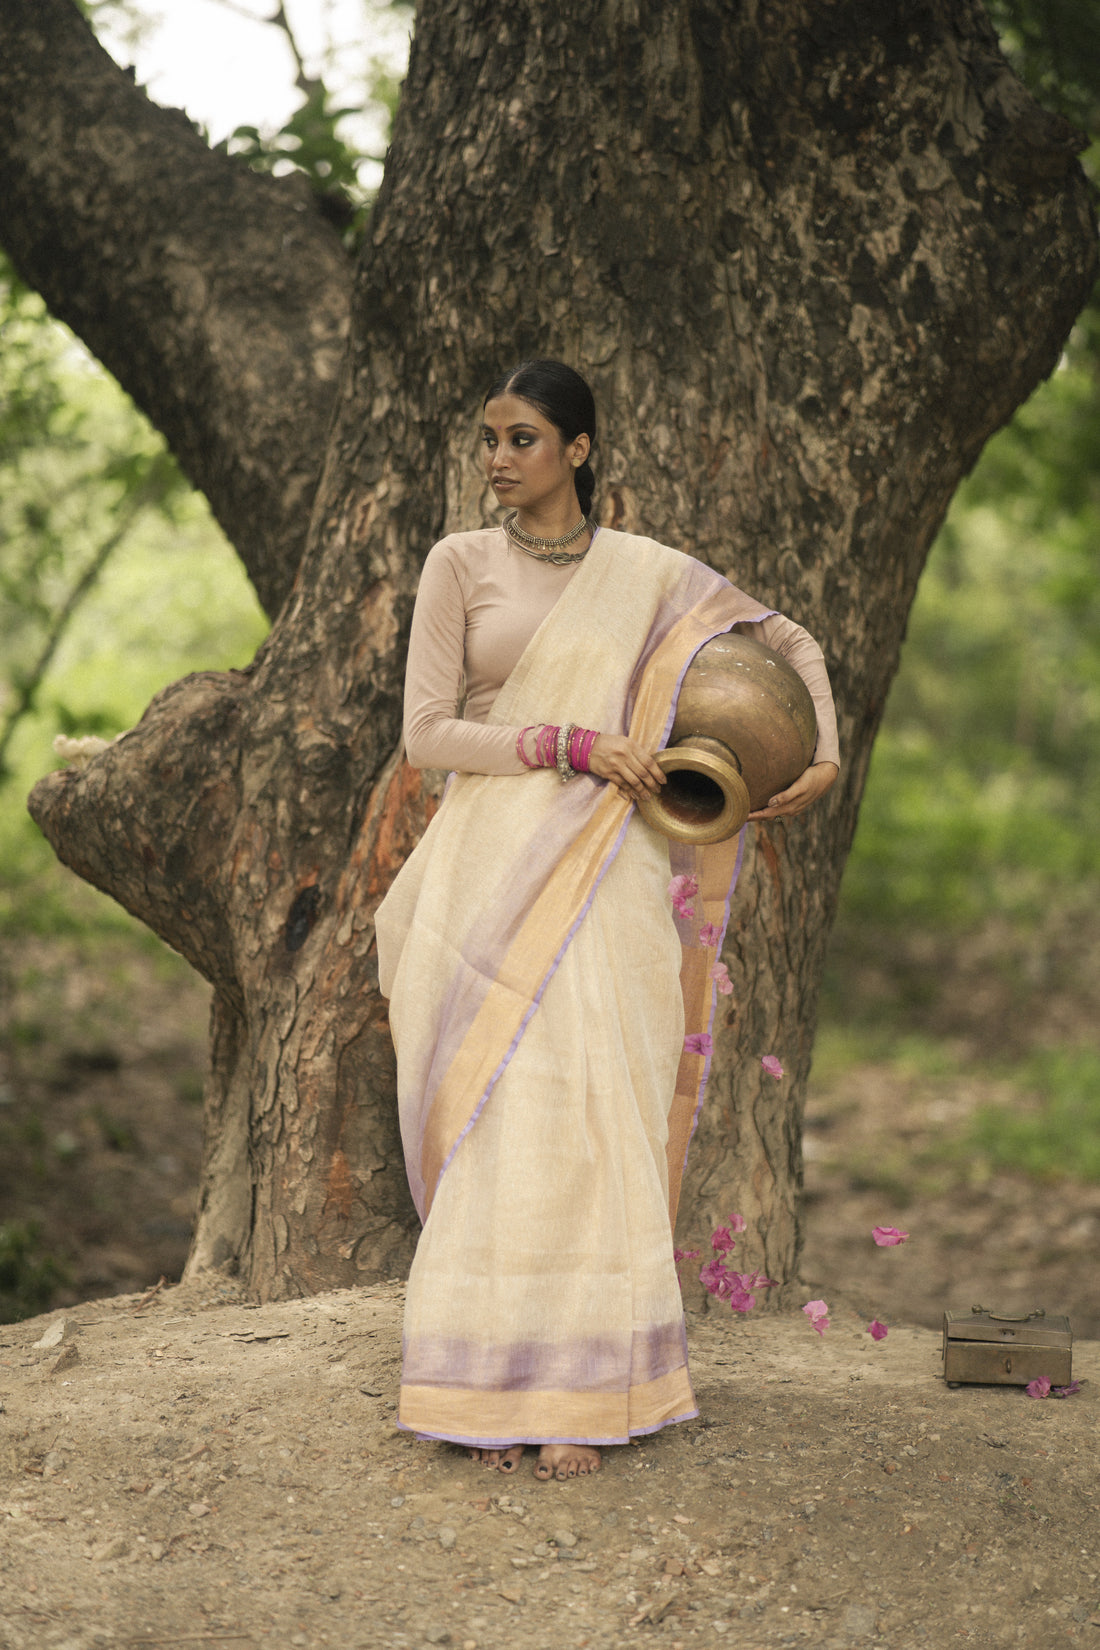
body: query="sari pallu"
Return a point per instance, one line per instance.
(541, 990)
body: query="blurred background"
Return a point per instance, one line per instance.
(956, 1084)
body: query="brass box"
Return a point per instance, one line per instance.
(1002, 1350)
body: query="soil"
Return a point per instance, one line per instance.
(190, 1469)
(187, 1468)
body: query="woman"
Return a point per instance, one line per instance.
(548, 1010)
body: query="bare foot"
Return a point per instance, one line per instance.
(504, 1460)
(566, 1461)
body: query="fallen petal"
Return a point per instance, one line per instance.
(772, 1066)
(737, 1223)
(1039, 1388)
(877, 1331)
(888, 1236)
(720, 974)
(721, 1240)
(818, 1314)
(710, 934)
(715, 1279)
(1065, 1391)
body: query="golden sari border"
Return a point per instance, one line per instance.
(489, 1420)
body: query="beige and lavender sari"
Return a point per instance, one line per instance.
(551, 1016)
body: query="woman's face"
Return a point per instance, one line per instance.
(527, 462)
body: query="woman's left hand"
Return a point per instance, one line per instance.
(810, 785)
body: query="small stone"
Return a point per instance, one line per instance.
(397, 1500)
(53, 1464)
(437, 1635)
(199, 1509)
(447, 1537)
(859, 1620)
(117, 1547)
(69, 1356)
(157, 1550)
(564, 1538)
(543, 1549)
(59, 1330)
(889, 1467)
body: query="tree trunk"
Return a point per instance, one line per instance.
(811, 256)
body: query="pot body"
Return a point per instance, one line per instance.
(745, 728)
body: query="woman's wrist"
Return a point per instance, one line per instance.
(564, 748)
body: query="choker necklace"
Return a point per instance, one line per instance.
(550, 550)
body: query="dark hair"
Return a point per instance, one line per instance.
(562, 396)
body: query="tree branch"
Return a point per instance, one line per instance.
(217, 297)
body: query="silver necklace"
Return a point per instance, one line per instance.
(548, 550)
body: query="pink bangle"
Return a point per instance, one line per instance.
(548, 746)
(520, 752)
(580, 748)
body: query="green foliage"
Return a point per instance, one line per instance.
(985, 781)
(28, 1277)
(113, 582)
(311, 143)
(317, 140)
(1053, 1129)
(77, 471)
(1054, 46)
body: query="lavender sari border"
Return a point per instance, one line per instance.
(478, 1442)
(535, 1001)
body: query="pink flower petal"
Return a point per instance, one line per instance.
(818, 1313)
(877, 1331)
(685, 1254)
(737, 1223)
(721, 1240)
(1065, 1391)
(820, 1325)
(772, 1066)
(1039, 1388)
(720, 974)
(887, 1237)
(710, 934)
(700, 1042)
(715, 1279)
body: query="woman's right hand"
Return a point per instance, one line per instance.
(623, 762)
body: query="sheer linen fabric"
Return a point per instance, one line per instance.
(540, 992)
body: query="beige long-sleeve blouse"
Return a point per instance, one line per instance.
(479, 603)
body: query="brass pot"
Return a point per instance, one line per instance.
(744, 729)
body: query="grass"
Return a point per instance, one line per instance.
(1053, 1129)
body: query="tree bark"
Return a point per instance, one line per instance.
(811, 255)
(217, 297)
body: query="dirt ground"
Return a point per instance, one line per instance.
(192, 1470)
